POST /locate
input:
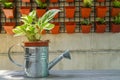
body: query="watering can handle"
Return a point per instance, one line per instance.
(10, 58)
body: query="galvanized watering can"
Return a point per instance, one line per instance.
(36, 60)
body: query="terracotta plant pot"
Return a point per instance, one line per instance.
(100, 28)
(53, 1)
(101, 11)
(70, 27)
(115, 28)
(37, 43)
(100, 0)
(40, 12)
(69, 0)
(70, 11)
(25, 10)
(85, 12)
(9, 13)
(56, 29)
(86, 28)
(115, 11)
(57, 15)
(26, 1)
(8, 26)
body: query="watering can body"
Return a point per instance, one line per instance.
(36, 59)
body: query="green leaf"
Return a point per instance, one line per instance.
(48, 16)
(33, 14)
(48, 26)
(19, 30)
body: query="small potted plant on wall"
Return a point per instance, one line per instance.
(25, 10)
(70, 27)
(86, 26)
(116, 8)
(86, 9)
(100, 25)
(101, 11)
(41, 9)
(115, 27)
(70, 11)
(8, 8)
(8, 26)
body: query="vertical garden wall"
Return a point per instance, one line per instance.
(65, 21)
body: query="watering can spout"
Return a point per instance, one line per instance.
(66, 55)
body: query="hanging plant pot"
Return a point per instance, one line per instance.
(55, 30)
(115, 28)
(25, 10)
(100, 0)
(85, 12)
(100, 28)
(26, 1)
(70, 11)
(53, 1)
(86, 28)
(57, 15)
(115, 11)
(101, 11)
(69, 0)
(8, 26)
(9, 13)
(70, 27)
(40, 12)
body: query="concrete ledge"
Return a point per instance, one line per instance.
(65, 75)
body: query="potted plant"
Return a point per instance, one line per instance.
(8, 8)
(8, 26)
(41, 9)
(116, 8)
(32, 27)
(25, 10)
(86, 9)
(86, 26)
(70, 27)
(115, 27)
(101, 11)
(100, 25)
(70, 11)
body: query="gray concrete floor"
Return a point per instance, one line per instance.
(65, 75)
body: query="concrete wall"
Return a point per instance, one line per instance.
(89, 51)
